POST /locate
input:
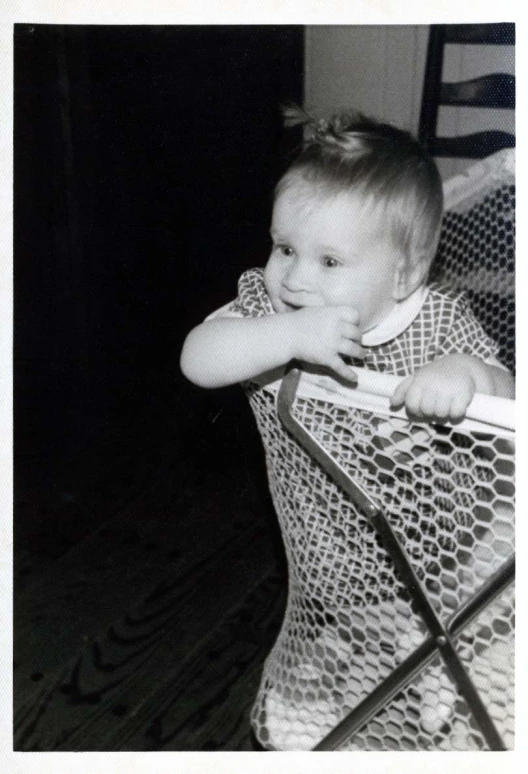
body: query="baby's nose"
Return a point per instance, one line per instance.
(299, 276)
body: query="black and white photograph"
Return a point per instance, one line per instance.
(264, 364)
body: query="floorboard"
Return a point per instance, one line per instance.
(145, 607)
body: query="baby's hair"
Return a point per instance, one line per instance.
(386, 166)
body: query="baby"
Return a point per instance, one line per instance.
(355, 227)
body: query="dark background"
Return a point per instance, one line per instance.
(144, 162)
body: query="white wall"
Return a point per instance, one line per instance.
(379, 70)
(375, 69)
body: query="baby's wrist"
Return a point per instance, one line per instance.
(295, 335)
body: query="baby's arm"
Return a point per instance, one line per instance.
(444, 388)
(225, 351)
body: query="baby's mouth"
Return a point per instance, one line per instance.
(291, 307)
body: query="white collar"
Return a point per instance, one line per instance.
(398, 320)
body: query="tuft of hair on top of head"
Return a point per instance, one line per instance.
(349, 131)
(385, 165)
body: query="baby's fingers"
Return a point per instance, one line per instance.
(341, 369)
(350, 315)
(457, 406)
(418, 401)
(351, 348)
(430, 404)
(350, 330)
(398, 396)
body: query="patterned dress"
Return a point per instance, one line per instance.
(444, 325)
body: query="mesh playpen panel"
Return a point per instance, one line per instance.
(352, 629)
(350, 621)
(477, 245)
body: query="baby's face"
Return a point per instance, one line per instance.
(330, 251)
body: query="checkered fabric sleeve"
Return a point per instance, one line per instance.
(445, 325)
(252, 299)
(459, 331)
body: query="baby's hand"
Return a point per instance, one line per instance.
(320, 335)
(441, 390)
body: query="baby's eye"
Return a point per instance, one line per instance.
(330, 262)
(285, 250)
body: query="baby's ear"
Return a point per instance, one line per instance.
(407, 278)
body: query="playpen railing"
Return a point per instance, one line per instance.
(485, 415)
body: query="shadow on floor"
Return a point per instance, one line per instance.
(149, 576)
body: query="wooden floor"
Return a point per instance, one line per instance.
(149, 576)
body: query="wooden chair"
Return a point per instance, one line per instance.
(494, 90)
